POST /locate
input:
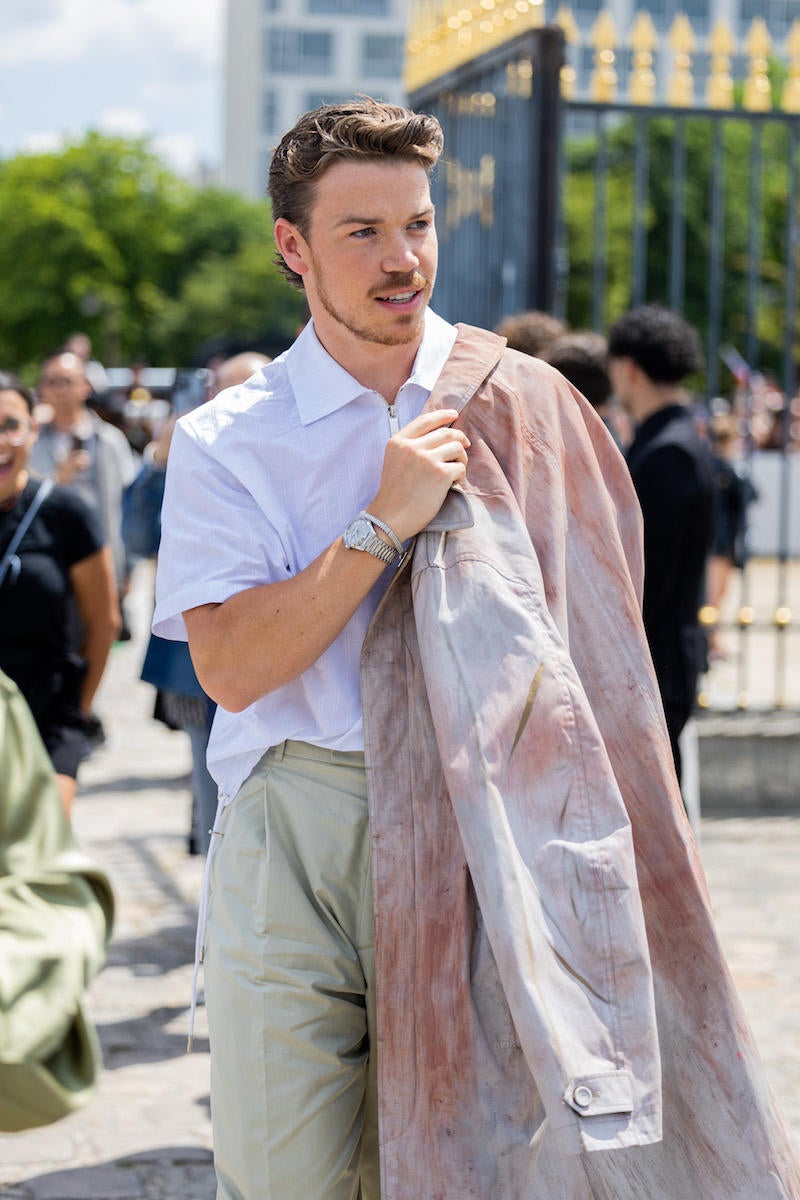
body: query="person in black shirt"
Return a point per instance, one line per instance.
(59, 612)
(651, 351)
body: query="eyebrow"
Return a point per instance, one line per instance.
(425, 212)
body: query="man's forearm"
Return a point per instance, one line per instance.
(264, 637)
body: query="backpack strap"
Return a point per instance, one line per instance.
(42, 492)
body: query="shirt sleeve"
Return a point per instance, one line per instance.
(215, 539)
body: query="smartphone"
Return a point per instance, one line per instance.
(190, 389)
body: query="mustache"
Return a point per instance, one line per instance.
(412, 282)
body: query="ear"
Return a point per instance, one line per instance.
(292, 246)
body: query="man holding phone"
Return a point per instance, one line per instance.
(78, 449)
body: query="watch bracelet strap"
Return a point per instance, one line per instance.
(395, 540)
(379, 549)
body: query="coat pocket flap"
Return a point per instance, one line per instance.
(600, 1095)
(455, 513)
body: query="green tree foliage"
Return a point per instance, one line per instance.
(102, 236)
(740, 141)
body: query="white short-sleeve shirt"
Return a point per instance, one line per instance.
(260, 481)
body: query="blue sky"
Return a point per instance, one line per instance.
(128, 66)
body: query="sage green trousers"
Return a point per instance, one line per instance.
(290, 983)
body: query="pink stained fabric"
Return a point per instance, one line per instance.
(545, 947)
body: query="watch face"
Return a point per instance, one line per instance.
(358, 532)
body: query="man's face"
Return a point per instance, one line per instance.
(369, 260)
(64, 386)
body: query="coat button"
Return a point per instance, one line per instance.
(582, 1096)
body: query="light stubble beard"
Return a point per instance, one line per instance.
(409, 324)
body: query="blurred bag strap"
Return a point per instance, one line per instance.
(42, 492)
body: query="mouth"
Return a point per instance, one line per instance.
(401, 301)
(403, 294)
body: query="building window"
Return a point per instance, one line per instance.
(778, 15)
(382, 55)
(270, 111)
(699, 16)
(299, 51)
(664, 12)
(317, 99)
(587, 8)
(348, 8)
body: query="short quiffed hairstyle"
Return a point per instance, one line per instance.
(360, 130)
(665, 346)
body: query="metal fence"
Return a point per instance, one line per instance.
(584, 207)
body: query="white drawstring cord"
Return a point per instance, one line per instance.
(202, 917)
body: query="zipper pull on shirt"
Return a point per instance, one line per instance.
(394, 424)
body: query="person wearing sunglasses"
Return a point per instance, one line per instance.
(59, 612)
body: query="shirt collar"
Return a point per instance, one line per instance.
(321, 386)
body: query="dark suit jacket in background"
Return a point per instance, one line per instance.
(672, 471)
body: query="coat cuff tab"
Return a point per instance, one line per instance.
(600, 1095)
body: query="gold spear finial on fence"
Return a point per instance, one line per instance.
(643, 40)
(531, 12)
(565, 19)
(464, 36)
(681, 39)
(415, 43)
(719, 88)
(604, 39)
(757, 86)
(790, 97)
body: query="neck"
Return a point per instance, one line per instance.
(67, 422)
(655, 397)
(383, 369)
(19, 486)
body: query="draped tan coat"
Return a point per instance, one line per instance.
(555, 1018)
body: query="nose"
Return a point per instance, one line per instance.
(400, 256)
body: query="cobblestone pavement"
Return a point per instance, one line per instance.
(146, 1133)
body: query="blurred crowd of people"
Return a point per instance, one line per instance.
(101, 439)
(82, 464)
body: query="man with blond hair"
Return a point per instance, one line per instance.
(427, 968)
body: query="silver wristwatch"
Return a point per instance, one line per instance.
(360, 535)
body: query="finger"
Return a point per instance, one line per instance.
(456, 472)
(428, 421)
(438, 437)
(451, 451)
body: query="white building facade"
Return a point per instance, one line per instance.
(284, 57)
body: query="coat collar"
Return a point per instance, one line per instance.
(475, 354)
